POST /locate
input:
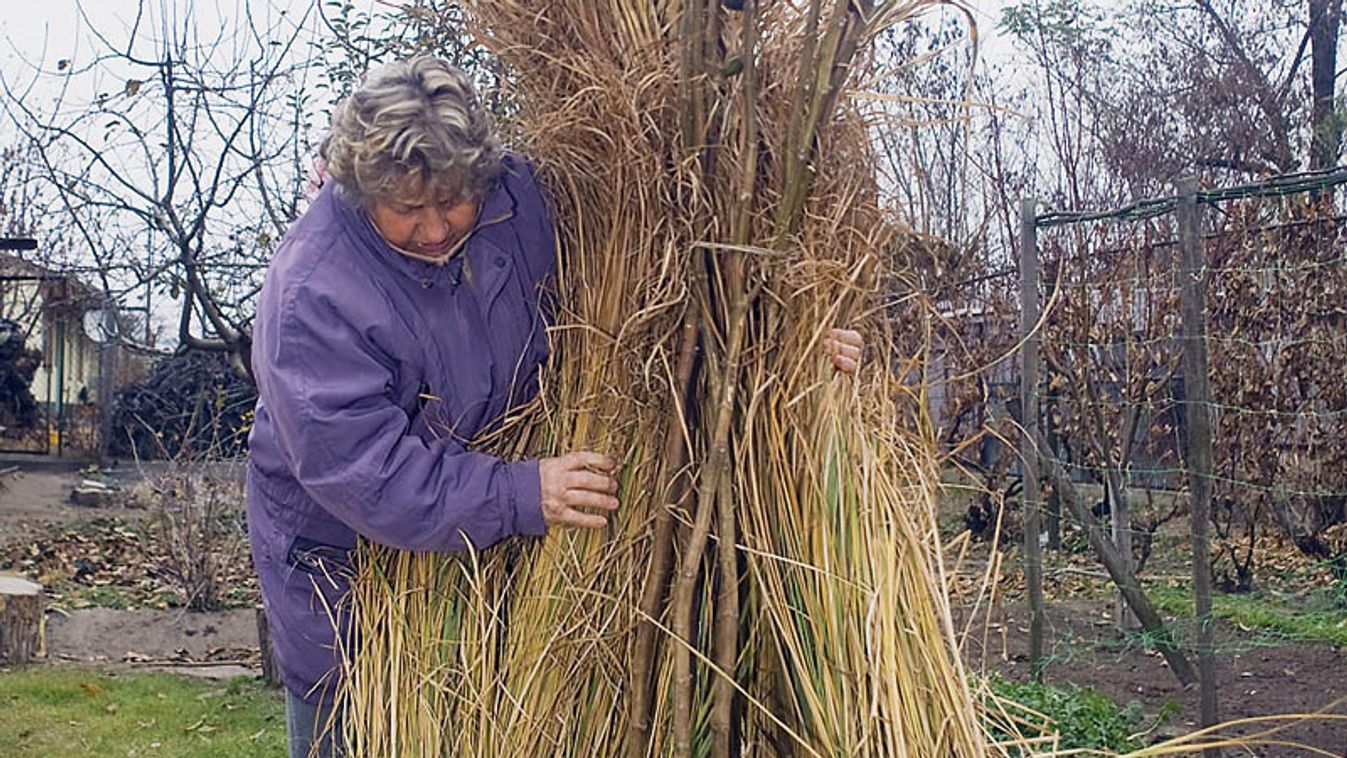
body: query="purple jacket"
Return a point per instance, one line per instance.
(373, 369)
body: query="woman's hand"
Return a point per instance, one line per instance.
(844, 346)
(577, 481)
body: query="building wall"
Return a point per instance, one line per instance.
(80, 371)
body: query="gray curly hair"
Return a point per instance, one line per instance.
(415, 118)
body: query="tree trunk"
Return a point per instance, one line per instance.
(20, 619)
(1126, 581)
(1325, 17)
(1120, 518)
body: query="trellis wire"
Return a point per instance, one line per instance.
(1278, 186)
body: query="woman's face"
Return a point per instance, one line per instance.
(418, 221)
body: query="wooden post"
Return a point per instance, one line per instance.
(270, 674)
(1197, 409)
(20, 619)
(1029, 359)
(1054, 521)
(109, 354)
(58, 360)
(1054, 509)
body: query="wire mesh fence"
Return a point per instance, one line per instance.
(1099, 327)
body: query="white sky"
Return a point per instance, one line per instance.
(30, 27)
(31, 38)
(43, 32)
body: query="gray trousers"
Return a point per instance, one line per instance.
(310, 728)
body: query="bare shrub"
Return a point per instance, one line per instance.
(198, 516)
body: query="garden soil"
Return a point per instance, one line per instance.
(1255, 677)
(35, 502)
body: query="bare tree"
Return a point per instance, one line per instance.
(1135, 95)
(1325, 122)
(357, 39)
(180, 181)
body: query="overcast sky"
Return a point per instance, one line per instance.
(57, 32)
(37, 36)
(31, 30)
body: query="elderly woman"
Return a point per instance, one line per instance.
(400, 318)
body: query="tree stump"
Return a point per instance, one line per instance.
(20, 619)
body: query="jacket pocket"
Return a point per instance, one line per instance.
(321, 560)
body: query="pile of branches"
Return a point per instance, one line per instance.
(192, 405)
(772, 582)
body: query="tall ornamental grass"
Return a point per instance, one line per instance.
(772, 584)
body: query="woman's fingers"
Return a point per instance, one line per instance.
(845, 338)
(587, 499)
(850, 351)
(591, 481)
(845, 347)
(572, 517)
(845, 364)
(586, 488)
(575, 481)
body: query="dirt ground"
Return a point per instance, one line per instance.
(36, 501)
(1259, 673)
(215, 645)
(1254, 678)
(38, 496)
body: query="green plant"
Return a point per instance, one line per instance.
(1082, 717)
(1337, 565)
(100, 597)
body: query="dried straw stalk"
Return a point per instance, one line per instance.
(773, 583)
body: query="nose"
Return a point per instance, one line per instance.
(433, 226)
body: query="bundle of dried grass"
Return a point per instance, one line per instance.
(773, 582)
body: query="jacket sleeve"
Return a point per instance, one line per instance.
(327, 388)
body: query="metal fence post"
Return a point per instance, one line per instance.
(1197, 409)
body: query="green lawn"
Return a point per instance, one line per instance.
(71, 712)
(1314, 620)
